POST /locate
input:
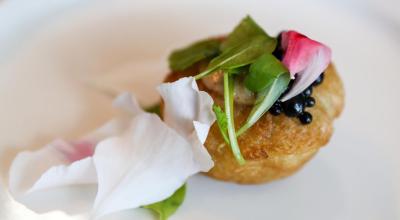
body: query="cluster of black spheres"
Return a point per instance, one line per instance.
(295, 107)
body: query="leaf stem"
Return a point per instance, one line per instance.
(204, 73)
(228, 101)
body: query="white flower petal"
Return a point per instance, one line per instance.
(43, 171)
(141, 167)
(189, 111)
(202, 157)
(184, 103)
(201, 130)
(152, 159)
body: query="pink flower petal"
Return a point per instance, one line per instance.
(306, 59)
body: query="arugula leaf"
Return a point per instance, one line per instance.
(183, 58)
(241, 55)
(265, 99)
(263, 72)
(228, 101)
(168, 207)
(222, 122)
(244, 31)
(156, 108)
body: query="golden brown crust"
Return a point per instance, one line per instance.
(276, 146)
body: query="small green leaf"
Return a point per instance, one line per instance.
(243, 54)
(222, 122)
(265, 100)
(263, 72)
(240, 55)
(184, 58)
(156, 108)
(228, 101)
(168, 207)
(246, 30)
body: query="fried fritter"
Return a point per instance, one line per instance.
(276, 146)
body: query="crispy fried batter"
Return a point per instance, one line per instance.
(276, 146)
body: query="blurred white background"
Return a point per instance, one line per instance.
(50, 51)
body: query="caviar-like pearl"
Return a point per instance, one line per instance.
(305, 118)
(276, 109)
(294, 106)
(307, 92)
(310, 102)
(319, 80)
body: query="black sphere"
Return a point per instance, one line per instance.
(276, 108)
(319, 80)
(310, 102)
(294, 106)
(305, 118)
(307, 92)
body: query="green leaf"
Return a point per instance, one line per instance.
(222, 122)
(265, 99)
(228, 101)
(263, 72)
(241, 55)
(183, 58)
(168, 207)
(154, 109)
(245, 31)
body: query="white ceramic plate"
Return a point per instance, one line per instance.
(55, 55)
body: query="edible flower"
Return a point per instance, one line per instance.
(133, 161)
(305, 59)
